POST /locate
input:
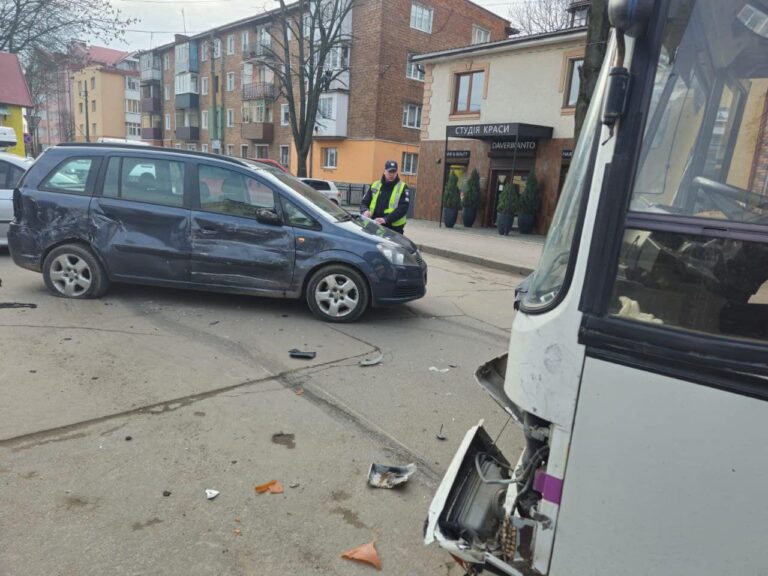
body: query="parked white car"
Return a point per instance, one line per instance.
(326, 188)
(12, 168)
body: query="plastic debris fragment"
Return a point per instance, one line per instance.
(366, 553)
(383, 476)
(211, 494)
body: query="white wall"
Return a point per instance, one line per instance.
(523, 86)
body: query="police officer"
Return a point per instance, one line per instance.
(387, 200)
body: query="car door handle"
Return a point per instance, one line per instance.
(208, 231)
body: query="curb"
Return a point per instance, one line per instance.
(495, 265)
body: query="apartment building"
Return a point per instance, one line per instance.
(212, 91)
(106, 98)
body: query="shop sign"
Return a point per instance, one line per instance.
(481, 130)
(567, 154)
(458, 155)
(502, 146)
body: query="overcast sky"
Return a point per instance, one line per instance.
(161, 19)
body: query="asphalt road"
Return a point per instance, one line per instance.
(108, 404)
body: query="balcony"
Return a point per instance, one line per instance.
(185, 101)
(257, 51)
(151, 75)
(257, 131)
(151, 133)
(151, 105)
(188, 133)
(259, 91)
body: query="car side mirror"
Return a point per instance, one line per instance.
(270, 217)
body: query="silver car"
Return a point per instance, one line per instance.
(12, 168)
(326, 188)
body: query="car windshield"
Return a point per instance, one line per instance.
(314, 197)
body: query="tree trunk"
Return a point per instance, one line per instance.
(597, 39)
(301, 163)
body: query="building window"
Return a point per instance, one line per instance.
(579, 17)
(285, 155)
(192, 147)
(204, 85)
(230, 149)
(468, 93)
(177, 145)
(411, 116)
(230, 118)
(82, 129)
(93, 105)
(167, 121)
(132, 106)
(93, 128)
(93, 83)
(80, 106)
(413, 70)
(217, 48)
(421, 17)
(244, 41)
(130, 84)
(230, 81)
(325, 107)
(410, 163)
(480, 35)
(166, 61)
(204, 51)
(204, 148)
(243, 150)
(285, 115)
(132, 129)
(231, 44)
(262, 151)
(574, 82)
(329, 158)
(167, 91)
(204, 119)
(257, 111)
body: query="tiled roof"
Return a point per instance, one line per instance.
(13, 88)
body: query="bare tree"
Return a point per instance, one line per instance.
(539, 16)
(50, 24)
(309, 51)
(598, 31)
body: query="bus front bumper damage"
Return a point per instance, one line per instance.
(487, 513)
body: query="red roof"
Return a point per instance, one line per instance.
(107, 56)
(13, 89)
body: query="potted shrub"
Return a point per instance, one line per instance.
(504, 212)
(451, 200)
(528, 205)
(470, 200)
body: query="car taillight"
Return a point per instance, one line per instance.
(17, 205)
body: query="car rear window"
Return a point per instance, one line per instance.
(70, 177)
(319, 184)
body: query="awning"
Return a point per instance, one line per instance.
(502, 131)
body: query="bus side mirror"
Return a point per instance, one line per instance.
(630, 16)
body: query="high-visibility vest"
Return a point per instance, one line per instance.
(394, 200)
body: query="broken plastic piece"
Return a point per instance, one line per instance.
(372, 361)
(273, 487)
(295, 353)
(237, 531)
(295, 485)
(440, 370)
(383, 476)
(366, 553)
(440, 435)
(211, 494)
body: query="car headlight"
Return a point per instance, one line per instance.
(397, 256)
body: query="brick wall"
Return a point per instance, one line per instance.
(365, 58)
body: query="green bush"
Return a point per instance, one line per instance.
(529, 201)
(504, 205)
(451, 197)
(471, 197)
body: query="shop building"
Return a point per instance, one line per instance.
(505, 108)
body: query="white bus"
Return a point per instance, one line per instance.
(638, 360)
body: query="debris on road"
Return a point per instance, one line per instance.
(16, 305)
(366, 553)
(308, 355)
(287, 440)
(166, 493)
(213, 323)
(237, 531)
(299, 391)
(273, 487)
(439, 370)
(372, 361)
(383, 476)
(128, 438)
(294, 485)
(440, 435)
(211, 494)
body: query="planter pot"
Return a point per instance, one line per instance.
(450, 215)
(504, 223)
(526, 223)
(468, 216)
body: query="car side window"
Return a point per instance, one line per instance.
(14, 176)
(230, 192)
(5, 170)
(320, 185)
(295, 216)
(149, 180)
(70, 177)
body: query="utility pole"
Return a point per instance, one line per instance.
(84, 94)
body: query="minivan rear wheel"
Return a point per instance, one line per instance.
(337, 293)
(72, 271)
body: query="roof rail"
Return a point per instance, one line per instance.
(151, 149)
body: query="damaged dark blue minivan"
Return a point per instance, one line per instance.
(86, 215)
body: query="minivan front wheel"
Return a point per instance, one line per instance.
(72, 271)
(337, 293)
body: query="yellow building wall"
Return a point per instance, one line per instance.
(358, 161)
(16, 121)
(109, 93)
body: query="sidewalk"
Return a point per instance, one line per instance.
(516, 253)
